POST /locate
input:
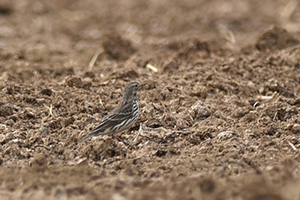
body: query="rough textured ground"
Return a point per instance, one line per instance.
(220, 114)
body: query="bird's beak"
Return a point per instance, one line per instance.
(143, 84)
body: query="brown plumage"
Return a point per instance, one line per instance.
(122, 117)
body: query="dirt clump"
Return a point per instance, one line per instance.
(117, 47)
(276, 39)
(219, 114)
(6, 110)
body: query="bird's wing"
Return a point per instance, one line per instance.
(115, 118)
(110, 122)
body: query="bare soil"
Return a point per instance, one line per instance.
(220, 113)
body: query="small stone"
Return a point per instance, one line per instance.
(226, 134)
(296, 129)
(74, 82)
(6, 110)
(173, 65)
(77, 82)
(46, 91)
(200, 111)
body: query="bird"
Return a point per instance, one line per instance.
(121, 117)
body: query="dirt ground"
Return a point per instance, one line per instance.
(220, 115)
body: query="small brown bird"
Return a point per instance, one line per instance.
(122, 117)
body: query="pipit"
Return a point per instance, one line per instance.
(122, 117)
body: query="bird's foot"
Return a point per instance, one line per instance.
(121, 140)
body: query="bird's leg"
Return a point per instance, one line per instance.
(120, 139)
(114, 136)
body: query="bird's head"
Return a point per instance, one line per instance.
(131, 89)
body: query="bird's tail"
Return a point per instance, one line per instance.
(94, 133)
(84, 138)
